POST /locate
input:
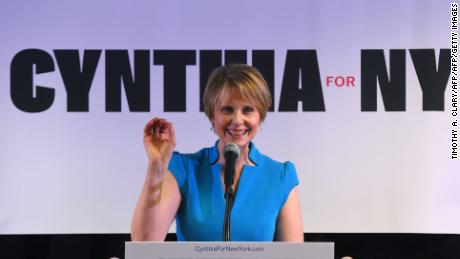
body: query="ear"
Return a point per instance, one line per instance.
(212, 123)
(261, 120)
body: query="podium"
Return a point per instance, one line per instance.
(229, 250)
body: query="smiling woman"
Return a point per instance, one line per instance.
(236, 101)
(189, 187)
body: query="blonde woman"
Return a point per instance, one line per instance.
(190, 187)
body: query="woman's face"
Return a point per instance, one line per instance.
(235, 121)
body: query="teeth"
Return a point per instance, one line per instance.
(236, 132)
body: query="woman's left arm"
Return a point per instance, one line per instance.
(289, 225)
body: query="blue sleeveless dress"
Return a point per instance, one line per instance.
(262, 191)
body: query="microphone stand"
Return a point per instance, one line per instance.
(229, 195)
(231, 153)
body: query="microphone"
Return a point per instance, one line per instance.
(231, 154)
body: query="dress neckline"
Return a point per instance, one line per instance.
(254, 154)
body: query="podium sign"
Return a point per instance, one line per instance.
(228, 250)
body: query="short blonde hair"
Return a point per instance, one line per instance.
(241, 81)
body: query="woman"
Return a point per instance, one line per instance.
(189, 187)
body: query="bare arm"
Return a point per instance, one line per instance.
(160, 196)
(289, 225)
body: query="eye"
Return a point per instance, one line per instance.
(227, 109)
(248, 109)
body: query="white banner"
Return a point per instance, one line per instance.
(363, 106)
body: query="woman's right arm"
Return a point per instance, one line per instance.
(160, 196)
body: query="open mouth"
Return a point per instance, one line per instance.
(236, 132)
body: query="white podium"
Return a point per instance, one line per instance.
(228, 250)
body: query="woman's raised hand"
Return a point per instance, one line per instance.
(159, 142)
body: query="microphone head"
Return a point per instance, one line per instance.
(232, 148)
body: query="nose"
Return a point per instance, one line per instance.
(238, 117)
